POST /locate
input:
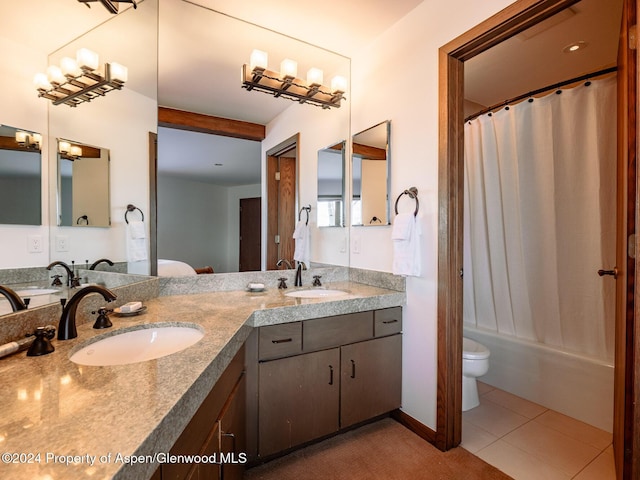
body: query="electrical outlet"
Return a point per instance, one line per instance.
(62, 243)
(355, 246)
(34, 243)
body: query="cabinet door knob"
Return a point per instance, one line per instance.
(330, 375)
(353, 369)
(282, 340)
(390, 321)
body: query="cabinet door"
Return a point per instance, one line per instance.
(298, 400)
(232, 433)
(371, 379)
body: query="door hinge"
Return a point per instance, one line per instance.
(631, 246)
(632, 37)
(277, 239)
(277, 175)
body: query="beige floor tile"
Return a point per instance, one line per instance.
(518, 464)
(484, 388)
(494, 418)
(576, 429)
(475, 438)
(517, 404)
(602, 468)
(552, 447)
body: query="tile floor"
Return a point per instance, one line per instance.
(528, 441)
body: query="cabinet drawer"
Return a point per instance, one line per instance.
(387, 321)
(338, 330)
(282, 340)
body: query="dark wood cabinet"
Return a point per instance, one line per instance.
(334, 372)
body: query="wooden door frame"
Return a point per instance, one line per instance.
(515, 18)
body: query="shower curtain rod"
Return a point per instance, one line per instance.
(541, 90)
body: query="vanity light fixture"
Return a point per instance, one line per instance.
(286, 84)
(69, 151)
(28, 140)
(111, 5)
(80, 80)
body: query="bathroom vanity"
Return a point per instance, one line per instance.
(192, 400)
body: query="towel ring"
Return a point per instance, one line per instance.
(413, 193)
(131, 208)
(83, 218)
(307, 209)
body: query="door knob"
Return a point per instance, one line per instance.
(613, 273)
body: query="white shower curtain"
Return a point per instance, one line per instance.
(540, 187)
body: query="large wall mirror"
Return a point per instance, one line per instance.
(331, 186)
(20, 176)
(83, 185)
(371, 175)
(219, 173)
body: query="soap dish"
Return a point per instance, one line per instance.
(255, 290)
(120, 313)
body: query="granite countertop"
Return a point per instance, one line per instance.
(61, 420)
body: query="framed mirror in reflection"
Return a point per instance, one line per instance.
(371, 173)
(20, 177)
(83, 185)
(331, 186)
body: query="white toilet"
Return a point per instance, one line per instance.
(475, 363)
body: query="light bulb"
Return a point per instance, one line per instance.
(21, 137)
(41, 82)
(289, 68)
(54, 75)
(75, 150)
(69, 67)
(119, 72)
(87, 59)
(258, 60)
(338, 84)
(314, 76)
(63, 147)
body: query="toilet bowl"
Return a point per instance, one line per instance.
(475, 363)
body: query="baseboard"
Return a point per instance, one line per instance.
(415, 426)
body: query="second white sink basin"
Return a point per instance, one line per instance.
(316, 293)
(33, 291)
(145, 343)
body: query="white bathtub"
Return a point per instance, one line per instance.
(575, 385)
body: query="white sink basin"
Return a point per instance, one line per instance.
(33, 291)
(132, 346)
(316, 293)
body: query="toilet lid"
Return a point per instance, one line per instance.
(473, 350)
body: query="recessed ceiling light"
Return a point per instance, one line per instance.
(574, 47)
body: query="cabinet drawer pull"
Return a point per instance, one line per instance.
(330, 375)
(283, 340)
(390, 321)
(353, 369)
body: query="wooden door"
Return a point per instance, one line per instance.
(232, 433)
(370, 379)
(250, 231)
(627, 374)
(287, 207)
(299, 400)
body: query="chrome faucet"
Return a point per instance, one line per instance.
(285, 261)
(301, 266)
(67, 325)
(98, 262)
(70, 274)
(14, 299)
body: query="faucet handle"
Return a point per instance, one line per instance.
(316, 280)
(56, 281)
(42, 343)
(103, 319)
(282, 282)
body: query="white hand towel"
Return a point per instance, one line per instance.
(406, 252)
(402, 226)
(136, 242)
(302, 252)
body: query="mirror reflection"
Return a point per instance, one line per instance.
(20, 177)
(331, 186)
(83, 185)
(371, 175)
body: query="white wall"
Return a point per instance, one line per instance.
(21, 108)
(396, 78)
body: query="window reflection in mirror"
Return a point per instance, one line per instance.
(331, 186)
(20, 177)
(371, 175)
(83, 185)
